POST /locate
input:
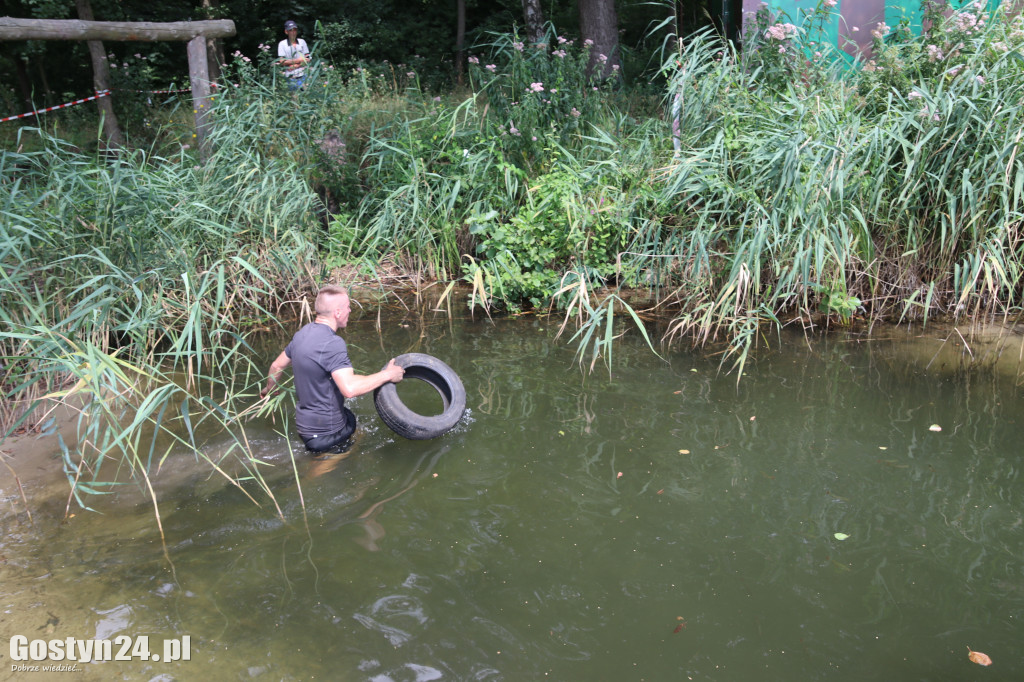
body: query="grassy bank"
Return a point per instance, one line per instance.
(740, 191)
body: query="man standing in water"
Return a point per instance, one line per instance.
(324, 376)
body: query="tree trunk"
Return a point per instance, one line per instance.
(101, 81)
(460, 39)
(600, 23)
(47, 92)
(533, 16)
(214, 57)
(25, 85)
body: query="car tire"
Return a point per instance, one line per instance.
(409, 424)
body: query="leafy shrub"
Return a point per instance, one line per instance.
(137, 96)
(576, 219)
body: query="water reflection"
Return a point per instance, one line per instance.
(667, 522)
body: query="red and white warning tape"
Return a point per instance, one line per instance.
(101, 93)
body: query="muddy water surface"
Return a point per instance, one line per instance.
(811, 523)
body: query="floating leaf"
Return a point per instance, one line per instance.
(934, 427)
(978, 657)
(618, 475)
(840, 536)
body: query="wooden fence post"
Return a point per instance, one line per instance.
(195, 32)
(199, 75)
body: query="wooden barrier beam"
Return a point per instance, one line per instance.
(143, 31)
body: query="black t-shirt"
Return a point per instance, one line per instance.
(315, 352)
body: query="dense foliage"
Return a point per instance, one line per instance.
(347, 33)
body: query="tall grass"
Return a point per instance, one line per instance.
(128, 291)
(800, 194)
(418, 206)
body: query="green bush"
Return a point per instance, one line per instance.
(573, 221)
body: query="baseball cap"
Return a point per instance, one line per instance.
(289, 25)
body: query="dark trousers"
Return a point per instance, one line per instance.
(332, 442)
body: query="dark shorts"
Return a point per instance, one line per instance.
(332, 442)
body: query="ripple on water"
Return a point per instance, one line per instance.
(389, 615)
(113, 621)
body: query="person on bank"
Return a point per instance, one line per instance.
(324, 376)
(293, 53)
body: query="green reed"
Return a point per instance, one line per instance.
(816, 198)
(129, 290)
